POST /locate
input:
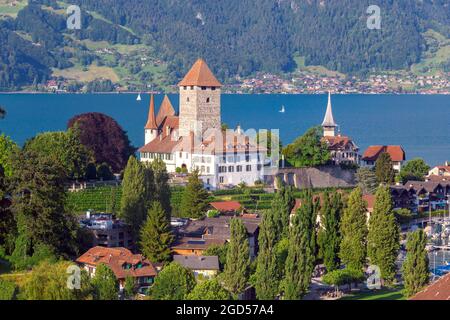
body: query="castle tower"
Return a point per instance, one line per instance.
(151, 128)
(199, 100)
(328, 124)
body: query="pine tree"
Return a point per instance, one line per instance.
(383, 237)
(267, 273)
(329, 233)
(195, 198)
(383, 169)
(156, 236)
(161, 185)
(415, 267)
(367, 180)
(132, 204)
(354, 232)
(300, 259)
(236, 270)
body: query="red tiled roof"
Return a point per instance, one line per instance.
(373, 152)
(338, 142)
(226, 206)
(200, 75)
(165, 109)
(439, 290)
(162, 144)
(151, 121)
(115, 258)
(370, 201)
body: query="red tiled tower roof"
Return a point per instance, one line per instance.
(200, 75)
(151, 122)
(165, 110)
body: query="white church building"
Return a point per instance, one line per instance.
(194, 139)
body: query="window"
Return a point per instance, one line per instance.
(203, 88)
(207, 100)
(230, 169)
(259, 167)
(187, 99)
(247, 158)
(213, 88)
(192, 87)
(239, 169)
(220, 179)
(184, 87)
(248, 167)
(207, 170)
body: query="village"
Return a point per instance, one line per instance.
(208, 212)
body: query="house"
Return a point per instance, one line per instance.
(107, 231)
(442, 171)
(438, 290)
(342, 148)
(52, 85)
(369, 199)
(429, 195)
(372, 153)
(203, 266)
(194, 245)
(194, 139)
(197, 235)
(122, 262)
(226, 207)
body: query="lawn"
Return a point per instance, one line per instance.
(383, 294)
(11, 7)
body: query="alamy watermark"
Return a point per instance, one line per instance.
(374, 20)
(74, 18)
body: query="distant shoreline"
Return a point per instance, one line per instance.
(243, 93)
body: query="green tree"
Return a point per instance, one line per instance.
(129, 287)
(132, 204)
(209, 290)
(174, 282)
(300, 260)
(267, 274)
(48, 281)
(329, 234)
(195, 198)
(104, 172)
(236, 271)
(8, 290)
(414, 169)
(367, 180)
(384, 235)
(354, 232)
(39, 198)
(383, 169)
(341, 277)
(415, 267)
(65, 148)
(105, 284)
(7, 149)
(161, 185)
(156, 235)
(219, 250)
(308, 150)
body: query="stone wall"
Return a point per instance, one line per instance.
(319, 177)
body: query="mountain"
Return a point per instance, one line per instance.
(241, 37)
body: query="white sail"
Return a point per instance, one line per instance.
(139, 97)
(282, 109)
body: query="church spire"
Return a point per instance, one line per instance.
(151, 122)
(328, 124)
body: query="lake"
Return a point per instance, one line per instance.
(420, 123)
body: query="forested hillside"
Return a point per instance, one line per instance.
(241, 37)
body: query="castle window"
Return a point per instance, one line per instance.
(192, 87)
(185, 88)
(248, 167)
(213, 88)
(203, 88)
(187, 99)
(207, 100)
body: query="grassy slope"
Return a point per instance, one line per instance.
(11, 7)
(383, 294)
(438, 52)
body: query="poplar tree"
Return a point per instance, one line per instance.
(105, 284)
(354, 232)
(132, 204)
(383, 169)
(267, 274)
(194, 201)
(236, 270)
(156, 236)
(161, 185)
(415, 267)
(383, 237)
(329, 234)
(300, 259)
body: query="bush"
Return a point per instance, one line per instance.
(8, 290)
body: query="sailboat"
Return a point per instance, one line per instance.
(282, 109)
(139, 97)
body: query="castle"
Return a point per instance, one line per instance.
(194, 139)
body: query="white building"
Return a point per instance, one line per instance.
(194, 139)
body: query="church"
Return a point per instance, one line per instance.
(194, 139)
(342, 148)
